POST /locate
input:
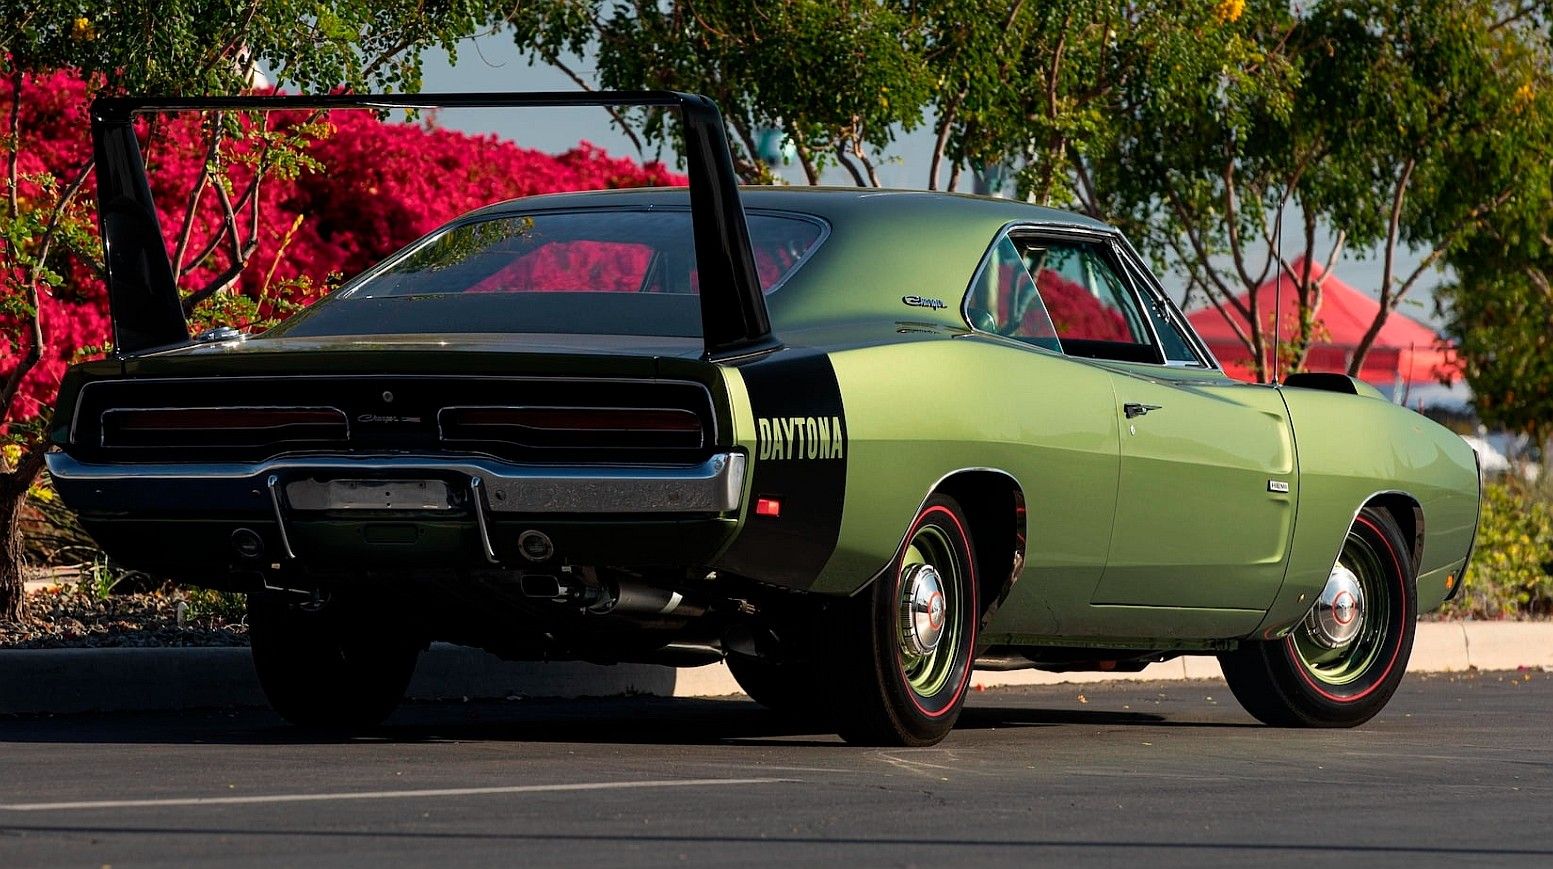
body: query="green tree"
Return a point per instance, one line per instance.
(1021, 85)
(1500, 312)
(167, 48)
(1205, 129)
(1379, 124)
(837, 78)
(1016, 85)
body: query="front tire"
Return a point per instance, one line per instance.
(326, 669)
(903, 650)
(1307, 680)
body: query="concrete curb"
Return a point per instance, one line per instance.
(1439, 647)
(58, 681)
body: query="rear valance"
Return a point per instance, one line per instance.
(143, 297)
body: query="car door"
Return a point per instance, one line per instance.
(1060, 442)
(1205, 498)
(1205, 505)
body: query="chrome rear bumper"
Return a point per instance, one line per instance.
(713, 486)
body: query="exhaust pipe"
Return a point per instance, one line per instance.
(541, 585)
(639, 599)
(611, 597)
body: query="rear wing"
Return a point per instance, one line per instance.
(143, 298)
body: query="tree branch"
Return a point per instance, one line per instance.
(1232, 226)
(56, 216)
(750, 169)
(19, 478)
(1195, 278)
(1390, 300)
(249, 198)
(232, 45)
(240, 251)
(1057, 145)
(386, 55)
(1256, 342)
(1517, 15)
(1086, 184)
(614, 112)
(862, 155)
(12, 160)
(34, 352)
(805, 159)
(211, 152)
(857, 175)
(941, 140)
(1393, 229)
(13, 381)
(1202, 257)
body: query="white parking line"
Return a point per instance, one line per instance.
(387, 795)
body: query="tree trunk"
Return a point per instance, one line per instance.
(12, 498)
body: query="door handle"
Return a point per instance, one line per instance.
(1133, 409)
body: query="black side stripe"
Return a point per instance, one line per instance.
(801, 461)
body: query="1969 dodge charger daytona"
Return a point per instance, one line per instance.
(856, 443)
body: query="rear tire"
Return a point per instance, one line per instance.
(1299, 681)
(786, 688)
(325, 669)
(885, 689)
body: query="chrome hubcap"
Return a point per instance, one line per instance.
(1338, 615)
(923, 612)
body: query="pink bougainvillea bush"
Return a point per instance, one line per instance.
(360, 187)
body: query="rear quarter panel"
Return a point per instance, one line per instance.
(930, 404)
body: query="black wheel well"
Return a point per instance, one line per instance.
(1409, 516)
(994, 505)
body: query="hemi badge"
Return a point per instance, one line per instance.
(1277, 486)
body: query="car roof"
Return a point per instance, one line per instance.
(836, 204)
(880, 248)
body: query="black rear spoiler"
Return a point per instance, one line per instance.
(144, 300)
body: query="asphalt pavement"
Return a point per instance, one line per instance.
(1457, 771)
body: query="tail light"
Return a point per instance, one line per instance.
(221, 426)
(574, 426)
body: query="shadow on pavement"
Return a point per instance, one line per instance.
(621, 720)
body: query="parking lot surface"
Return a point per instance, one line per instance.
(1457, 771)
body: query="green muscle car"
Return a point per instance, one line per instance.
(855, 443)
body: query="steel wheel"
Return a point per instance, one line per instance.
(902, 652)
(1331, 660)
(931, 611)
(1340, 665)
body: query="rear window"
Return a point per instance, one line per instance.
(598, 271)
(596, 251)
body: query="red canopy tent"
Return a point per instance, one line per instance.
(1405, 353)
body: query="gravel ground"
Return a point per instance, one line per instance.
(72, 617)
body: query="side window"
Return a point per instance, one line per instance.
(1086, 297)
(1004, 301)
(1175, 345)
(1093, 309)
(1068, 296)
(1166, 319)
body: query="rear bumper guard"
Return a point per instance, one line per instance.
(713, 486)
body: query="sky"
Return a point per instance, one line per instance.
(492, 63)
